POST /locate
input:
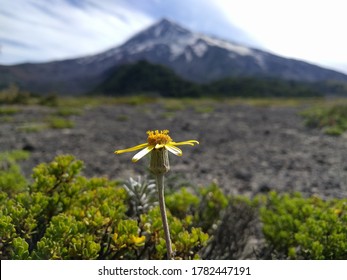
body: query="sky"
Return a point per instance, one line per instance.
(46, 30)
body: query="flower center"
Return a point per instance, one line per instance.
(158, 137)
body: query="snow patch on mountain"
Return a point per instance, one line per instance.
(260, 61)
(178, 44)
(240, 50)
(176, 39)
(200, 48)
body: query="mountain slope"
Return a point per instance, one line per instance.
(144, 77)
(195, 57)
(201, 58)
(153, 79)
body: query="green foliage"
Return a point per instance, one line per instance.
(135, 100)
(11, 179)
(205, 206)
(146, 77)
(66, 238)
(8, 110)
(182, 202)
(212, 203)
(20, 249)
(229, 221)
(13, 95)
(198, 211)
(7, 113)
(305, 228)
(60, 123)
(185, 243)
(331, 119)
(63, 215)
(154, 79)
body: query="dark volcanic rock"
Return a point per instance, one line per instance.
(234, 150)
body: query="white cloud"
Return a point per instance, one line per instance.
(312, 30)
(43, 30)
(199, 15)
(56, 30)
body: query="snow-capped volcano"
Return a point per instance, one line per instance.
(193, 56)
(176, 40)
(201, 58)
(179, 40)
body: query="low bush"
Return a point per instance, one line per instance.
(305, 228)
(60, 214)
(331, 119)
(59, 123)
(63, 215)
(13, 95)
(8, 110)
(11, 179)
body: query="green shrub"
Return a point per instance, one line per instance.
(236, 228)
(331, 119)
(60, 123)
(66, 238)
(185, 243)
(212, 203)
(63, 215)
(13, 95)
(305, 228)
(11, 179)
(8, 110)
(182, 203)
(229, 221)
(206, 205)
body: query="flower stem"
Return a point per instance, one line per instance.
(160, 185)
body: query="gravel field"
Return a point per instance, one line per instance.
(245, 149)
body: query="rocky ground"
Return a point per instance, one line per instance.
(245, 149)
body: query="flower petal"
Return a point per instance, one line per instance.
(142, 153)
(158, 146)
(188, 142)
(176, 151)
(135, 148)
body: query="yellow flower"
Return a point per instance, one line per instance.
(138, 241)
(157, 140)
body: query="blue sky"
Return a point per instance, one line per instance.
(45, 30)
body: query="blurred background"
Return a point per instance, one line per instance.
(37, 31)
(262, 85)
